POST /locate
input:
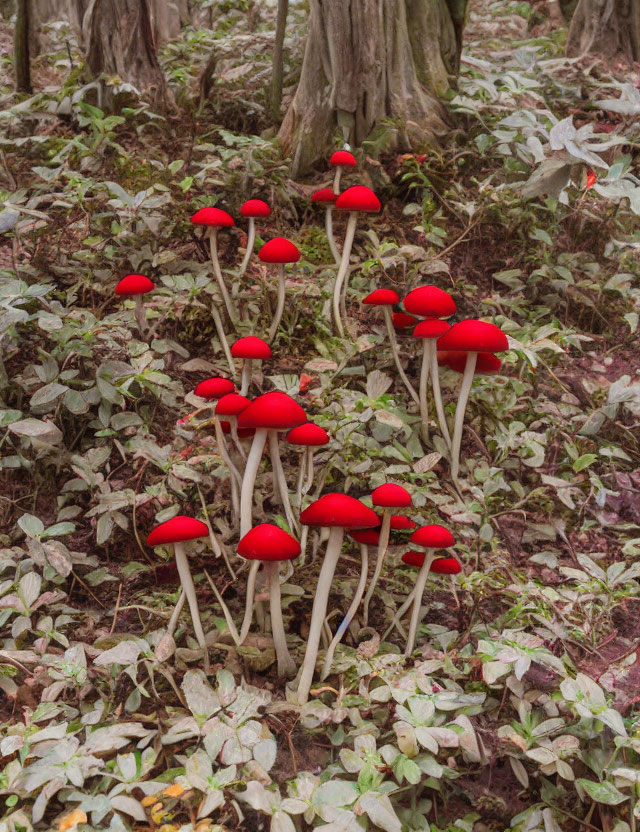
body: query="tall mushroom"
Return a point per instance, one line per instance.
(268, 414)
(386, 298)
(280, 251)
(470, 336)
(429, 331)
(356, 200)
(309, 436)
(336, 512)
(252, 210)
(326, 197)
(177, 532)
(250, 349)
(341, 160)
(387, 497)
(135, 286)
(487, 364)
(213, 219)
(230, 407)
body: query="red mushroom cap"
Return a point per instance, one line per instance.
(251, 347)
(213, 217)
(269, 543)
(401, 523)
(370, 537)
(431, 328)
(358, 198)
(255, 208)
(401, 320)
(339, 510)
(308, 434)
(134, 284)
(177, 530)
(242, 432)
(487, 364)
(382, 297)
(213, 388)
(446, 566)
(433, 537)
(391, 495)
(279, 250)
(417, 559)
(232, 404)
(343, 158)
(324, 195)
(474, 336)
(430, 302)
(276, 411)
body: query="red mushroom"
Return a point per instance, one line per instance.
(252, 209)
(326, 197)
(341, 160)
(280, 251)
(231, 406)
(429, 331)
(487, 364)
(355, 200)
(402, 321)
(250, 349)
(214, 219)
(470, 336)
(336, 512)
(135, 286)
(309, 436)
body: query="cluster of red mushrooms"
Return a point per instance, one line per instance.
(468, 347)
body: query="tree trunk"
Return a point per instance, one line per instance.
(121, 44)
(370, 63)
(610, 28)
(278, 58)
(166, 21)
(22, 63)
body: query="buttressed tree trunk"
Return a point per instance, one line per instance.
(610, 28)
(121, 43)
(369, 62)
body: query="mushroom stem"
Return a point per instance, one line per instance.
(175, 615)
(424, 381)
(302, 476)
(275, 323)
(190, 592)
(233, 423)
(218, 549)
(239, 637)
(278, 473)
(286, 665)
(437, 395)
(463, 398)
(323, 588)
(336, 180)
(249, 479)
(353, 608)
(251, 238)
(234, 475)
(217, 320)
(310, 472)
(247, 375)
(343, 269)
(141, 318)
(452, 580)
(396, 355)
(213, 247)
(398, 616)
(328, 224)
(421, 581)
(383, 545)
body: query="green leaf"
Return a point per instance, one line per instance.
(603, 792)
(583, 462)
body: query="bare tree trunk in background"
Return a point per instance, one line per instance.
(278, 58)
(368, 62)
(121, 43)
(46, 11)
(166, 20)
(22, 63)
(610, 28)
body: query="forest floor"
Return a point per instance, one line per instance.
(519, 709)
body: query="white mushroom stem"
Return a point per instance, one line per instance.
(239, 637)
(424, 381)
(343, 269)
(383, 545)
(396, 355)
(249, 479)
(399, 614)
(175, 615)
(213, 247)
(463, 398)
(336, 180)
(247, 376)
(217, 320)
(320, 602)
(218, 549)
(275, 323)
(235, 479)
(141, 318)
(190, 592)
(286, 665)
(233, 423)
(328, 225)
(251, 238)
(279, 477)
(421, 581)
(310, 472)
(452, 581)
(302, 476)
(353, 608)
(437, 395)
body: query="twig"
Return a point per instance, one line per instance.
(117, 609)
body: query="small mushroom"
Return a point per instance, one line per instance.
(309, 436)
(429, 331)
(177, 532)
(250, 349)
(230, 407)
(211, 389)
(280, 251)
(326, 197)
(135, 286)
(213, 219)
(401, 321)
(341, 160)
(252, 210)
(450, 567)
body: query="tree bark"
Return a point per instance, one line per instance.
(166, 21)
(370, 63)
(610, 28)
(278, 58)
(121, 44)
(22, 63)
